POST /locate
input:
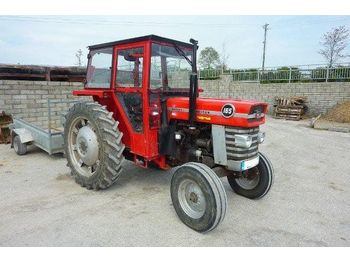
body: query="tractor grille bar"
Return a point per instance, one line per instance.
(239, 153)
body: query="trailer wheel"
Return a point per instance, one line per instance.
(18, 146)
(198, 196)
(93, 145)
(256, 182)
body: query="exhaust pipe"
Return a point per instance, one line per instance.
(193, 85)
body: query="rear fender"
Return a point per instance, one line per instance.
(24, 135)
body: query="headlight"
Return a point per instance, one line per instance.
(261, 137)
(243, 141)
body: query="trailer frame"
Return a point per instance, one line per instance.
(48, 140)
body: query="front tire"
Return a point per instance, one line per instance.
(93, 145)
(256, 182)
(198, 196)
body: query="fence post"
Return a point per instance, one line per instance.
(327, 74)
(258, 75)
(290, 75)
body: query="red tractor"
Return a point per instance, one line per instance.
(146, 108)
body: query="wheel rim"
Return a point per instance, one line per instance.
(191, 199)
(250, 181)
(83, 146)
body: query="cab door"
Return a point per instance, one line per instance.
(131, 80)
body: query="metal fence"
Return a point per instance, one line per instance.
(300, 73)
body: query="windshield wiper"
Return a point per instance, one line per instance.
(182, 53)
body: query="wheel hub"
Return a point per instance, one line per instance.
(191, 199)
(87, 145)
(249, 180)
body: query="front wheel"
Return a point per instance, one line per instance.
(253, 183)
(198, 196)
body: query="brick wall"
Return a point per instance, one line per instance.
(29, 100)
(321, 96)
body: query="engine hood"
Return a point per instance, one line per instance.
(228, 112)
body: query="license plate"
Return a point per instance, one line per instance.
(247, 164)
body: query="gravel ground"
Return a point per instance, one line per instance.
(308, 205)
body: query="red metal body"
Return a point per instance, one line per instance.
(209, 111)
(144, 145)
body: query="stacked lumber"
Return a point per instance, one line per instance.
(292, 108)
(40, 73)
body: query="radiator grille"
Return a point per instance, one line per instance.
(238, 153)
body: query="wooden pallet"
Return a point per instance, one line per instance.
(289, 112)
(287, 117)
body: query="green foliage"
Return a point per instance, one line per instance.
(339, 74)
(282, 74)
(209, 58)
(209, 74)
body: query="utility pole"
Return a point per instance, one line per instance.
(265, 27)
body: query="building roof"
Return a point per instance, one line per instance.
(139, 39)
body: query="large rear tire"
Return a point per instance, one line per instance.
(255, 182)
(198, 196)
(93, 145)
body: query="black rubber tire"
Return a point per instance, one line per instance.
(18, 146)
(110, 145)
(266, 174)
(213, 191)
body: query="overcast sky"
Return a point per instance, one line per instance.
(54, 40)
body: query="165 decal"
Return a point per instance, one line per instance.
(228, 110)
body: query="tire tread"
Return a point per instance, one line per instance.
(217, 189)
(111, 142)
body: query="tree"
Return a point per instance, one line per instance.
(209, 58)
(224, 57)
(79, 55)
(334, 43)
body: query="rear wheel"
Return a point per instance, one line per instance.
(18, 146)
(254, 183)
(93, 145)
(198, 196)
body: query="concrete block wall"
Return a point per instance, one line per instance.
(321, 96)
(28, 100)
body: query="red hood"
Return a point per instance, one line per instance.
(247, 113)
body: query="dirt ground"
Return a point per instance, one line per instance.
(332, 126)
(340, 113)
(308, 205)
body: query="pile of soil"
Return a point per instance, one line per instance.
(340, 113)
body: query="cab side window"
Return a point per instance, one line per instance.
(130, 67)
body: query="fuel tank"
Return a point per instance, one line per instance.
(228, 112)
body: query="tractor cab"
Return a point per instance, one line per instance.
(137, 75)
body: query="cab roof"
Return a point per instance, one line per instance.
(139, 39)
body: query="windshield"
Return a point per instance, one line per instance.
(170, 67)
(99, 68)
